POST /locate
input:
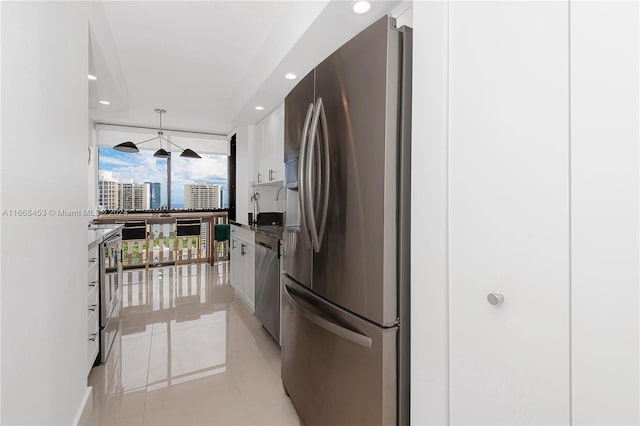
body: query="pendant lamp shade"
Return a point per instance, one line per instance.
(127, 146)
(161, 153)
(188, 153)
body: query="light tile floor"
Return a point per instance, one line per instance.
(190, 354)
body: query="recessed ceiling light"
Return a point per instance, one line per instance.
(290, 76)
(361, 7)
(92, 77)
(105, 102)
(259, 108)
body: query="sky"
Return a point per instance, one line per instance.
(144, 167)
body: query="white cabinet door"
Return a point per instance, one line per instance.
(250, 290)
(233, 259)
(242, 269)
(509, 213)
(277, 152)
(259, 174)
(237, 264)
(274, 144)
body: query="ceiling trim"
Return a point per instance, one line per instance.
(145, 129)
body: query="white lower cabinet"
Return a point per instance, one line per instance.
(250, 270)
(93, 305)
(243, 264)
(235, 259)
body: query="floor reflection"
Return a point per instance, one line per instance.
(189, 354)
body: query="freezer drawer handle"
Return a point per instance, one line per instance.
(331, 327)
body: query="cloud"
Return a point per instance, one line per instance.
(112, 161)
(144, 167)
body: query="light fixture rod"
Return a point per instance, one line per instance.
(148, 140)
(174, 144)
(129, 146)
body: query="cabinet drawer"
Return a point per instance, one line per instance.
(93, 339)
(92, 352)
(92, 300)
(93, 271)
(92, 282)
(93, 255)
(93, 323)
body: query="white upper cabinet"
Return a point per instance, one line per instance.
(259, 153)
(269, 148)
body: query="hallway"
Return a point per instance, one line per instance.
(190, 354)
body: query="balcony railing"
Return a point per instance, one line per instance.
(164, 246)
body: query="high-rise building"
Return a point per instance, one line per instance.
(155, 200)
(133, 196)
(108, 194)
(202, 196)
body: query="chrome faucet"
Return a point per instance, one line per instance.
(278, 193)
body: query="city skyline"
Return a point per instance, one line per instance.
(202, 196)
(144, 167)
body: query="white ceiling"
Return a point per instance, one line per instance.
(209, 63)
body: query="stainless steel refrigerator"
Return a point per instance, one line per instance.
(345, 327)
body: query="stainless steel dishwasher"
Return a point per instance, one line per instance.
(268, 283)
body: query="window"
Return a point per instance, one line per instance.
(199, 184)
(131, 181)
(138, 181)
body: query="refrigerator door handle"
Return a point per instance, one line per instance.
(319, 117)
(301, 176)
(327, 171)
(330, 326)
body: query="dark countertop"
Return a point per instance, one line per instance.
(274, 231)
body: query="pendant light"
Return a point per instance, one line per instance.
(129, 146)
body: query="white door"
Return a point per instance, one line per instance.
(509, 213)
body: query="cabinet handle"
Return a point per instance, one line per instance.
(93, 337)
(233, 244)
(92, 308)
(93, 259)
(93, 283)
(495, 298)
(270, 175)
(259, 177)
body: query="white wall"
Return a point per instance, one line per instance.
(92, 168)
(267, 202)
(43, 166)
(244, 134)
(403, 14)
(604, 189)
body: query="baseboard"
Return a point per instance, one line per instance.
(83, 416)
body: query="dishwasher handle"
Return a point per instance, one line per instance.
(265, 245)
